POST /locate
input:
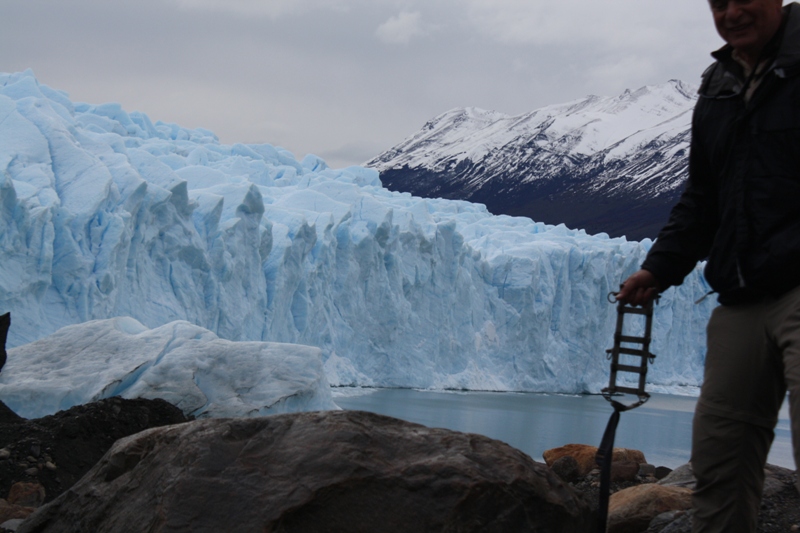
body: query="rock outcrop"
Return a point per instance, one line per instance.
(57, 450)
(325, 471)
(584, 456)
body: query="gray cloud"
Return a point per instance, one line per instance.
(400, 28)
(346, 79)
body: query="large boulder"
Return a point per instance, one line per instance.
(631, 510)
(323, 471)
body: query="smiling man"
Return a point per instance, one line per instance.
(747, 26)
(741, 212)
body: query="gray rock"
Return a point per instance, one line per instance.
(777, 479)
(683, 476)
(12, 524)
(663, 520)
(566, 468)
(326, 471)
(681, 523)
(646, 469)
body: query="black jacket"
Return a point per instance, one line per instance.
(741, 205)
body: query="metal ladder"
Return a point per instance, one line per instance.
(606, 449)
(643, 352)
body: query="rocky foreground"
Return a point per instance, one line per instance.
(340, 471)
(46, 456)
(650, 499)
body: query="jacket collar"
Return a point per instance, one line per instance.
(725, 78)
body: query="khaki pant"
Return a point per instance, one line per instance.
(753, 358)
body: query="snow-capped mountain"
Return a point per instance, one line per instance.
(603, 164)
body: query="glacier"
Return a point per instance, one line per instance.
(104, 214)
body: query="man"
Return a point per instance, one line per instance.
(741, 211)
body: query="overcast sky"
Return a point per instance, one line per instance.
(348, 79)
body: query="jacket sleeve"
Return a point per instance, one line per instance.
(689, 232)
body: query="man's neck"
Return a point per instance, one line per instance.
(747, 57)
(748, 62)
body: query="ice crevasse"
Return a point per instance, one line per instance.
(104, 213)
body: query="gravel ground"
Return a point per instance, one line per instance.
(780, 508)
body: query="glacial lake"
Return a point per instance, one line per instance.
(533, 423)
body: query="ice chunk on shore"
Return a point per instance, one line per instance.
(184, 364)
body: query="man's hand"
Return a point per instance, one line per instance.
(639, 289)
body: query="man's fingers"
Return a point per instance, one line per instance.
(639, 289)
(636, 295)
(644, 295)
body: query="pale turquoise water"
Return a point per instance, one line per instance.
(533, 423)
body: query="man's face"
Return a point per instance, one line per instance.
(747, 25)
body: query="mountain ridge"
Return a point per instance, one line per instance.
(611, 165)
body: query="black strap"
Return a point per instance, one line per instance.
(604, 458)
